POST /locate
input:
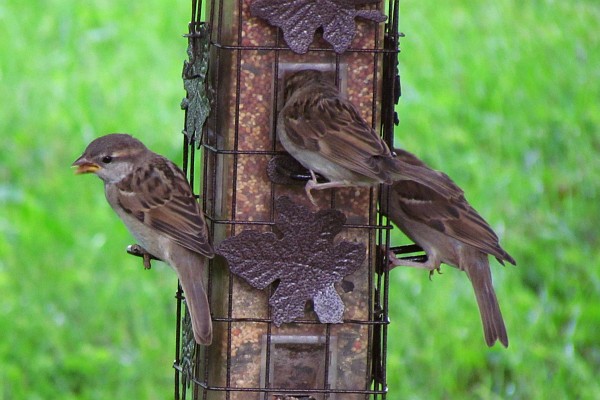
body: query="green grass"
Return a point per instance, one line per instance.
(501, 95)
(75, 323)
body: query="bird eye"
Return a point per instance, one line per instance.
(106, 159)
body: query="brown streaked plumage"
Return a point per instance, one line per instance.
(325, 133)
(450, 231)
(153, 198)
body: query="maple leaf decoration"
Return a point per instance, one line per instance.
(303, 258)
(299, 19)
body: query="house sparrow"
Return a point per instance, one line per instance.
(450, 231)
(153, 198)
(326, 134)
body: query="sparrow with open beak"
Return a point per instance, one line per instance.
(450, 231)
(326, 134)
(153, 198)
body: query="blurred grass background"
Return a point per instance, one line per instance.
(502, 95)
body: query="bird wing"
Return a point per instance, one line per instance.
(158, 195)
(330, 125)
(449, 214)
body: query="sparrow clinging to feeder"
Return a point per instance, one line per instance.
(153, 198)
(327, 135)
(450, 231)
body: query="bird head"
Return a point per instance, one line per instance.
(110, 157)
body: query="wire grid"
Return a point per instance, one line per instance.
(383, 55)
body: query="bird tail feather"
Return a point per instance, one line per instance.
(191, 277)
(478, 271)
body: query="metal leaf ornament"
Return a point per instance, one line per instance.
(302, 256)
(188, 349)
(299, 19)
(196, 102)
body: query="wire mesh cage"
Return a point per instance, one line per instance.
(246, 63)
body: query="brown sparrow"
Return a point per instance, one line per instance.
(326, 134)
(153, 198)
(450, 231)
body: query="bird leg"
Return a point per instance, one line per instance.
(146, 258)
(313, 184)
(310, 185)
(139, 251)
(431, 264)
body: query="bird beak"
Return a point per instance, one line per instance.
(84, 166)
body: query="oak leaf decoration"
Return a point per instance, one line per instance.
(301, 255)
(299, 19)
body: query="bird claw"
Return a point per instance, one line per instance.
(432, 271)
(308, 188)
(310, 185)
(392, 261)
(146, 257)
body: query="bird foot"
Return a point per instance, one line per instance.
(406, 262)
(393, 262)
(431, 271)
(310, 185)
(428, 264)
(146, 257)
(139, 251)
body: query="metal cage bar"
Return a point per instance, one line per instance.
(228, 156)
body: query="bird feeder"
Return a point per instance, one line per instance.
(299, 309)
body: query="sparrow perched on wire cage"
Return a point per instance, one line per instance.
(327, 135)
(153, 198)
(450, 231)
